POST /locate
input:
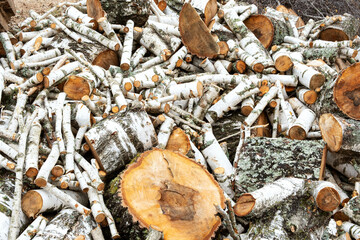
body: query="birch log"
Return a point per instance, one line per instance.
(117, 139)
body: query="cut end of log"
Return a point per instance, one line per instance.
(199, 88)
(297, 132)
(76, 87)
(106, 58)
(195, 34)
(57, 171)
(310, 97)
(244, 205)
(328, 199)
(331, 131)
(246, 110)
(262, 28)
(178, 197)
(46, 71)
(128, 86)
(100, 217)
(178, 142)
(31, 203)
(125, 66)
(258, 67)
(40, 182)
(224, 48)
(240, 66)
(162, 5)
(317, 80)
(347, 91)
(283, 63)
(333, 34)
(94, 9)
(32, 172)
(46, 82)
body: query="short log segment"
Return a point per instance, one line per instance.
(264, 160)
(38, 201)
(117, 139)
(173, 197)
(347, 91)
(340, 133)
(272, 194)
(325, 194)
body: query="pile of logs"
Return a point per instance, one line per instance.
(179, 120)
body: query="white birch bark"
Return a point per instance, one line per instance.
(220, 68)
(32, 153)
(137, 56)
(127, 50)
(19, 108)
(8, 47)
(286, 109)
(69, 138)
(164, 27)
(93, 174)
(15, 220)
(92, 106)
(307, 29)
(66, 199)
(83, 184)
(217, 159)
(55, 76)
(186, 90)
(318, 186)
(171, 20)
(304, 121)
(8, 150)
(273, 194)
(37, 225)
(145, 79)
(48, 165)
(205, 101)
(83, 119)
(230, 100)
(10, 77)
(351, 228)
(286, 80)
(58, 124)
(180, 54)
(164, 132)
(208, 66)
(153, 43)
(308, 76)
(92, 34)
(255, 113)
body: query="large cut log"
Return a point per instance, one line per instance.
(117, 139)
(120, 11)
(263, 160)
(344, 29)
(176, 197)
(347, 91)
(340, 133)
(262, 27)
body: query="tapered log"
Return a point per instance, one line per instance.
(38, 201)
(347, 90)
(340, 133)
(263, 160)
(181, 204)
(117, 139)
(344, 29)
(119, 11)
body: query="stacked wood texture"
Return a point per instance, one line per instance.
(165, 119)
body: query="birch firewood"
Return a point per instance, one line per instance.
(58, 124)
(37, 225)
(351, 228)
(205, 101)
(164, 132)
(20, 105)
(50, 199)
(69, 139)
(325, 194)
(339, 133)
(152, 42)
(341, 162)
(92, 34)
(309, 77)
(8, 47)
(127, 50)
(55, 76)
(270, 195)
(32, 153)
(44, 172)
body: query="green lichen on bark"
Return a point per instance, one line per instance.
(119, 11)
(329, 54)
(281, 30)
(263, 160)
(352, 209)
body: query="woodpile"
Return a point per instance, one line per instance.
(179, 120)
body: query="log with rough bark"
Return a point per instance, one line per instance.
(119, 11)
(263, 160)
(117, 139)
(340, 133)
(180, 184)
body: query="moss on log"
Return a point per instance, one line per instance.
(264, 160)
